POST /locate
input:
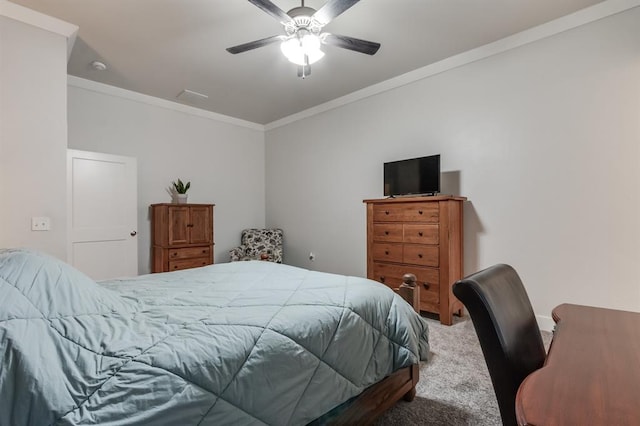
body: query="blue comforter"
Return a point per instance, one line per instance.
(240, 343)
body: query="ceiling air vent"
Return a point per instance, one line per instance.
(191, 97)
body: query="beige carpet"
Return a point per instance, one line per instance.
(455, 388)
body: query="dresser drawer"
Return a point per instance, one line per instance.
(430, 299)
(391, 252)
(429, 281)
(417, 254)
(388, 232)
(176, 265)
(421, 234)
(189, 252)
(427, 278)
(406, 212)
(392, 274)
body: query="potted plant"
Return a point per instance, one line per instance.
(181, 189)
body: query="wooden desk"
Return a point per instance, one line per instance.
(592, 372)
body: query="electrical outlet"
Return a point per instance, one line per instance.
(42, 223)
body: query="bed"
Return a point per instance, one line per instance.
(243, 343)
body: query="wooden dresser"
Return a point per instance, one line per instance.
(181, 236)
(421, 236)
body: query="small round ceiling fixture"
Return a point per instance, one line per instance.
(98, 66)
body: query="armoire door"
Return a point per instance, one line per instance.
(199, 229)
(178, 225)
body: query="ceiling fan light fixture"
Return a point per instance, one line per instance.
(310, 42)
(304, 37)
(298, 46)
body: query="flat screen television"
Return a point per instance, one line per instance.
(415, 176)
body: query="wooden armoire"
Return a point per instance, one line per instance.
(181, 236)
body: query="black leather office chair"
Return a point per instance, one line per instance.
(506, 326)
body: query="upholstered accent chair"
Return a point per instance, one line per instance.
(259, 244)
(507, 330)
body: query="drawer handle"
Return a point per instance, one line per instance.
(426, 286)
(420, 255)
(204, 263)
(386, 232)
(204, 251)
(386, 212)
(175, 267)
(419, 211)
(420, 233)
(190, 225)
(386, 252)
(382, 278)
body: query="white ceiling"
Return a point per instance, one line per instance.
(161, 47)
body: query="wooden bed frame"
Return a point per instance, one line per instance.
(378, 398)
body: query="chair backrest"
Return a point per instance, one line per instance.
(266, 237)
(507, 330)
(259, 241)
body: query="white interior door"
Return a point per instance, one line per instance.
(102, 207)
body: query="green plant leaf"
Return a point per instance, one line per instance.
(180, 187)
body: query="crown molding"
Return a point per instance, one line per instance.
(549, 29)
(40, 20)
(94, 86)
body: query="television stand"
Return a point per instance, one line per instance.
(421, 236)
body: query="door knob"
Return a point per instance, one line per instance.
(133, 233)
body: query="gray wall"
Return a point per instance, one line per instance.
(223, 161)
(33, 130)
(543, 140)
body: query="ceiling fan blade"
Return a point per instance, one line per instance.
(351, 43)
(255, 44)
(272, 10)
(332, 9)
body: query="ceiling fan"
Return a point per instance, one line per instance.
(304, 37)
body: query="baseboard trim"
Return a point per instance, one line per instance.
(545, 323)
